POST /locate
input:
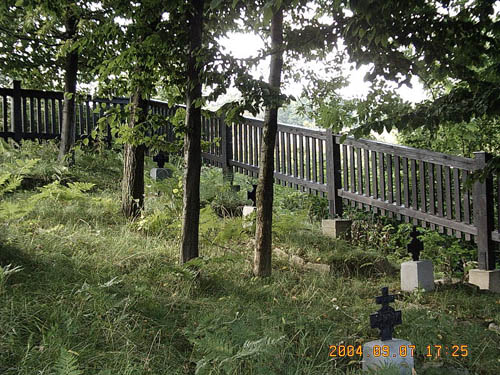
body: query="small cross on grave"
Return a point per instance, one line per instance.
(415, 246)
(386, 318)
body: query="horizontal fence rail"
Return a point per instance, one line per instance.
(416, 186)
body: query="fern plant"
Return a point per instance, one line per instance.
(66, 364)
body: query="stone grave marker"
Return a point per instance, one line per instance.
(387, 351)
(416, 273)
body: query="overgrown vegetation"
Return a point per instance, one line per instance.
(84, 291)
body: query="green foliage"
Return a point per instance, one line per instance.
(92, 285)
(67, 364)
(5, 273)
(463, 139)
(449, 255)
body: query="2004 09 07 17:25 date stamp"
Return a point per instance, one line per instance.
(404, 350)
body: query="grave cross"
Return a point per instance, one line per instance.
(386, 318)
(415, 246)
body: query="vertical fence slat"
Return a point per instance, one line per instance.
(352, 169)
(374, 178)
(406, 186)
(359, 171)
(390, 186)
(457, 198)
(314, 160)
(25, 116)
(289, 157)
(366, 154)
(381, 176)
(345, 168)
(283, 156)
(321, 162)
(32, 115)
(295, 161)
(439, 182)
(301, 157)
(277, 155)
(245, 145)
(432, 202)
(449, 207)
(5, 106)
(308, 159)
(333, 175)
(250, 146)
(414, 187)
(423, 190)
(483, 215)
(53, 113)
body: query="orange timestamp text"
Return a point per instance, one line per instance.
(403, 351)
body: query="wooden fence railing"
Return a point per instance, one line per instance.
(423, 187)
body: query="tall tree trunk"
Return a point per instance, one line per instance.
(192, 139)
(133, 162)
(264, 196)
(70, 78)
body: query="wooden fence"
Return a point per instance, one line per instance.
(423, 187)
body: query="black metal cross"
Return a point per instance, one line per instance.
(415, 246)
(386, 318)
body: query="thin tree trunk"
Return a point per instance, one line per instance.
(192, 140)
(264, 196)
(133, 162)
(70, 78)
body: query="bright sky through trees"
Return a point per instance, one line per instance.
(247, 45)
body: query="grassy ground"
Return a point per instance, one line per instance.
(94, 294)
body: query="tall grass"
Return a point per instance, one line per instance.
(95, 294)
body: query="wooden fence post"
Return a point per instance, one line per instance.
(227, 150)
(483, 215)
(333, 174)
(17, 112)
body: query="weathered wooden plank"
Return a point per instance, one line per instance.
(321, 162)
(412, 153)
(439, 182)
(359, 172)
(414, 187)
(466, 201)
(32, 115)
(295, 158)
(5, 114)
(410, 212)
(60, 104)
(432, 201)
(390, 186)
(406, 186)
(314, 160)
(374, 179)
(447, 184)
(251, 146)
(283, 156)
(25, 116)
(277, 164)
(308, 158)
(301, 156)
(457, 198)
(366, 154)
(423, 190)
(345, 168)
(245, 145)
(53, 113)
(381, 177)
(289, 156)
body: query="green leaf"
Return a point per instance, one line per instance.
(268, 13)
(215, 4)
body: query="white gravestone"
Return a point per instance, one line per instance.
(387, 352)
(417, 274)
